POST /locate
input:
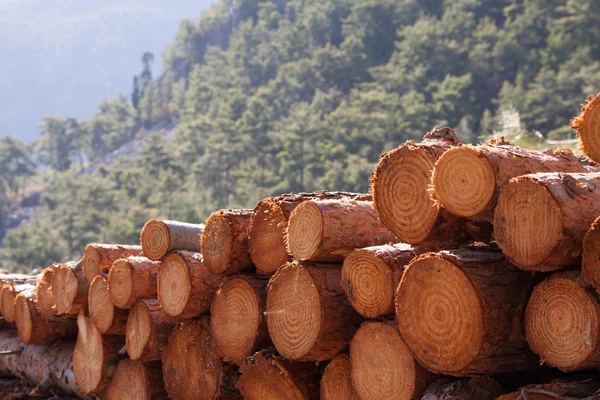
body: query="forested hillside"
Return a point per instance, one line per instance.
(290, 95)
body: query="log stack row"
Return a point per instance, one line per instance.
(468, 272)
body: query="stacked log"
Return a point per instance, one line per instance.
(43, 292)
(148, 330)
(160, 237)
(134, 379)
(336, 383)
(586, 126)
(70, 289)
(98, 258)
(106, 317)
(8, 296)
(132, 279)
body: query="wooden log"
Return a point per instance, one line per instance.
(224, 242)
(475, 388)
(308, 315)
(18, 279)
(451, 312)
(370, 277)
(135, 380)
(400, 187)
(467, 179)
(336, 383)
(185, 285)
(36, 364)
(148, 330)
(383, 366)
(43, 292)
(99, 257)
(541, 219)
(132, 279)
(192, 368)
(95, 357)
(33, 328)
(559, 389)
(268, 376)
(586, 125)
(237, 324)
(160, 237)
(7, 299)
(266, 233)
(328, 230)
(562, 323)
(108, 319)
(70, 289)
(590, 264)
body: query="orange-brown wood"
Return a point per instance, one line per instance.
(99, 257)
(135, 380)
(108, 319)
(586, 124)
(7, 299)
(336, 383)
(70, 289)
(132, 279)
(160, 237)
(43, 292)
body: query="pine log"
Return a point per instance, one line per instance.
(135, 380)
(148, 330)
(370, 277)
(160, 237)
(541, 219)
(95, 357)
(308, 315)
(467, 179)
(17, 279)
(108, 319)
(224, 242)
(47, 363)
(8, 296)
(192, 368)
(461, 312)
(237, 324)
(132, 279)
(98, 258)
(336, 383)
(43, 292)
(70, 289)
(476, 388)
(383, 366)
(33, 328)
(562, 323)
(186, 286)
(587, 126)
(560, 389)
(268, 376)
(266, 233)
(328, 230)
(590, 265)
(400, 187)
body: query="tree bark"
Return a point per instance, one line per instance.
(132, 279)
(108, 319)
(186, 286)
(562, 323)
(308, 315)
(35, 364)
(383, 366)
(134, 379)
(586, 125)
(33, 328)
(266, 233)
(451, 310)
(160, 237)
(560, 389)
(268, 376)
(328, 230)
(224, 242)
(95, 357)
(148, 330)
(541, 219)
(70, 289)
(467, 179)
(590, 265)
(43, 292)
(8, 296)
(476, 388)
(237, 324)
(98, 258)
(336, 383)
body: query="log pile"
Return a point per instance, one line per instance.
(468, 272)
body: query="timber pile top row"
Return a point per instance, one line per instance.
(469, 272)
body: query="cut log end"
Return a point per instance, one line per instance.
(155, 239)
(8, 303)
(527, 223)
(561, 323)
(174, 285)
(383, 366)
(266, 236)
(132, 381)
(336, 383)
(305, 231)
(88, 357)
(368, 283)
(44, 296)
(90, 263)
(65, 288)
(587, 126)
(590, 267)
(217, 242)
(101, 307)
(400, 191)
(464, 181)
(236, 315)
(120, 283)
(440, 313)
(139, 327)
(294, 325)
(23, 319)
